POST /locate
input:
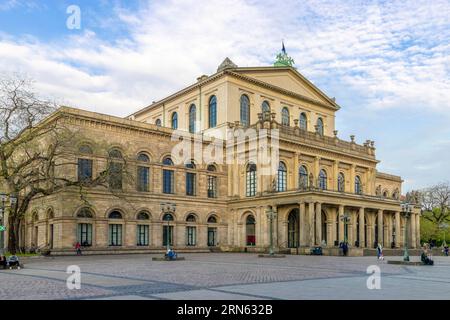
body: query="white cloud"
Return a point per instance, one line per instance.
(389, 55)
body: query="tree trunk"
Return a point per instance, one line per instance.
(13, 240)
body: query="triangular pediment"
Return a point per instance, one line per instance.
(288, 79)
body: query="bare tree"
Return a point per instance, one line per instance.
(35, 145)
(436, 203)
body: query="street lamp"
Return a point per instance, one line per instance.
(406, 210)
(168, 209)
(345, 218)
(271, 215)
(12, 202)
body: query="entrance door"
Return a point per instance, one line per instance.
(212, 237)
(293, 229)
(50, 242)
(169, 235)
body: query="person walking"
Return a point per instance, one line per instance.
(446, 250)
(78, 248)
(380, 252)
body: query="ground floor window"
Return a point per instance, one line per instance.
(115, 235)
(142, 235)
(191, 236)
(167, 235)
(212, 237)
(250, 231)
(84, 234)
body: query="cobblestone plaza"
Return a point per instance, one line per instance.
(224, 276)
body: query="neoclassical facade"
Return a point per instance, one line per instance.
(324, 190)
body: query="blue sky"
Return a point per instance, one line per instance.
(386, 62)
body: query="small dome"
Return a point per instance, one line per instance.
(226, 64)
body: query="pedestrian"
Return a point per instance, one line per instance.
(446, 250)
(380, 252)
(78, 248)
(345, 248)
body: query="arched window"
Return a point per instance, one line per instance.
(245, 110)
(115, 229)
(143, 216)
(168, 161)
(174, 120)
(212, 219)
(341, 182)
(191, 178)
(85, 213)
(320, 128)
(115, 215)
(212, 112)
(115, 154)
(385, 194)
(85, 165)
(323, 180)
(251, 180)
(358, 186)
(142, 157)
(191, 218)
(282, 177)
(293, 229)
(265, 107)
(285, 117)
(143, 173)
(192, 118)
(85, 149)
(303, 121)
(250, 230)
(158, 122)
(115, 169)
(168, 217)
(143, 229)
(168, 177)
(303, 177)
(211, 168)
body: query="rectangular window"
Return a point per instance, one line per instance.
(167, 235)
(190, 183)
(143, 179)
(142, 235)
(191, 236)
(84, 170)
(84, 234)
(115, 235)
(168, 181)
(212, 187)
(115, 176)
(212, 237)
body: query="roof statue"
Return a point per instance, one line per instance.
(283, 60)
(226, 64)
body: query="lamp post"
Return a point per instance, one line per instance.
(406, 210)
(168, 209)
(345, 218)
(271, 215)
(3, 198)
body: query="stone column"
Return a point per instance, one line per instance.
(303, 239)
(398, 230)
(361, 228)
(341, 224)
(318, 223)
(413, 230)
(418, 230)
(380, 227)
(311, 223)
(354, 218)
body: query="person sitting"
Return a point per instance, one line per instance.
(13, 261)
(171, 255)
(3, 262)
(425, 258)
